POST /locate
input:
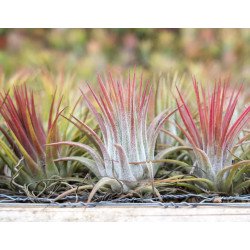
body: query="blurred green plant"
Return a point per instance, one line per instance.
(165, 99)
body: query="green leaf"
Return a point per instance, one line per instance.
(90, 164)
(115, 185)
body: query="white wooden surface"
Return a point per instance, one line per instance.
(127, 213)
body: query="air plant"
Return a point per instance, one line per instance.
(29, 162)
(124, 153)
(165, 99)
(213, 133)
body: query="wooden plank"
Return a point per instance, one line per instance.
(25, 212)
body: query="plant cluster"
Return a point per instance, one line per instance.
(126, 136)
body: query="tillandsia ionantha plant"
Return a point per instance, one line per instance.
(165, 99)
(124, 155)
(64, 82)
(212, 131)
(29, 163)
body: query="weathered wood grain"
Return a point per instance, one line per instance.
(25, 212)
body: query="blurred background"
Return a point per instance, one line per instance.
(206, 53)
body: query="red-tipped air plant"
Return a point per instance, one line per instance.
(125, 151)
(26, 138)
(214, 131)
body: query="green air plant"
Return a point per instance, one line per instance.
(243, 147)
(124, 154)
(164, 99)
(212, 132)
(29, 162)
